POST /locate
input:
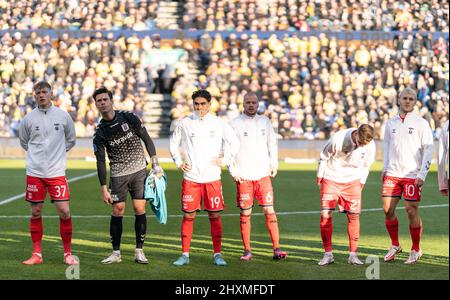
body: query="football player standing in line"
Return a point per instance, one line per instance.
(443, 161)
(408, 150)
(120, 134)
(47, 133)
(255, 164)
(204, 139)
(342, 172)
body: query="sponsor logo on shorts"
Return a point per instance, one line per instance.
(188, 198)
(32, 188)
(389, 184)
(114, 197)
(243, 197)
(327, 197)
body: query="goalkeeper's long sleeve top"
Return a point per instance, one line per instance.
(202, 140)
(46, 135)
(340, 160)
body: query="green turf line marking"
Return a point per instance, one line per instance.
(286, 213)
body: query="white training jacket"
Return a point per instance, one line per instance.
(408, 147)
(46, 135)
(258, 151)
(341, 162)
(443, 159)
(203, 139)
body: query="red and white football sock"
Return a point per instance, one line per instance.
(326, 231)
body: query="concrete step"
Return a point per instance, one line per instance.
(156, 126)
(156, 119)
(159, 97)
(168, 9)
(168, 4)
(166, 15)
(155, 112)
(158, 104)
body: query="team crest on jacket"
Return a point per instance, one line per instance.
(393, 130)
(56, 126)
(411, 130)
(125, 127)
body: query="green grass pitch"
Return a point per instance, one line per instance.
(295, 194)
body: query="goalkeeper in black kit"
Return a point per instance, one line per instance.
(120, 134)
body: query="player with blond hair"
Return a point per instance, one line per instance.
(408, 150)
(342, 172)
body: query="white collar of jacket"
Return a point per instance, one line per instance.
(408, 115)
(196, 116)
(245, 116)
(46, 109)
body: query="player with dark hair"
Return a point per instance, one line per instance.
(204, 138)
(408, 151)
(47, 133)
(120, 134)
(343, 169)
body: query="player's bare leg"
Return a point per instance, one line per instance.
(391, 221)
(115, 229)
(272, 226)
(36, 231)
(326, 230)
(65, 229)
(245, 223)
(415, 229)
(140, 226)
(187, 228)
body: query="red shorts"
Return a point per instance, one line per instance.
(396, 187)
(193, 193)
(248, 190)
(37, 189)
(346, 195)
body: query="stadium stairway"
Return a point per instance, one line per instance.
(157, 115)
(168, 14)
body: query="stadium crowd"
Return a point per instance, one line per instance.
(313, 86)
(256, 15)
(78, 14)
(76, 67)
(307, 15)
(308, 86)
